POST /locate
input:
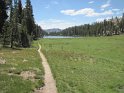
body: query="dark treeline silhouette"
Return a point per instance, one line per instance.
(17, 27)
(113, 26)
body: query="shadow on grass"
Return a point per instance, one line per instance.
(8, 47)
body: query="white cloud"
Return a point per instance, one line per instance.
(116, 10)
(86, 12)
(54, 23)
(106, 5)
(91, 2)
(68, 12)
(102, 19)
(99, 19)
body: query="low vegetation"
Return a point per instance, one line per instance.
(20, 70)
(86, 65)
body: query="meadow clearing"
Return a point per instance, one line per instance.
(86, 65)
(21, 70)
(79, 65)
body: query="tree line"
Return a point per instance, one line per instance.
(17, 24)
(113, 26)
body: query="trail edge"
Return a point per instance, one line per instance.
(50, 84)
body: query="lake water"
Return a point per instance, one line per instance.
(60, 37)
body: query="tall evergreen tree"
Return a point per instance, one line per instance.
(29, 17)
(19, 11)
(28, 25)
(3, 14)
(122, 24)
(15, 35)
(25, 38)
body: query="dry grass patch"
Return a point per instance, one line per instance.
(2, 61)
(28, 75)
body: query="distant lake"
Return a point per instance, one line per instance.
(61, 37)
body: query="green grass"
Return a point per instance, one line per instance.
(18, 61)
(87, 65)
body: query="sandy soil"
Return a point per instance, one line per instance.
(50, 84)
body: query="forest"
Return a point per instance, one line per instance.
(17, 24)
(113, 26)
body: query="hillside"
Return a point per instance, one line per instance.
(53, 30)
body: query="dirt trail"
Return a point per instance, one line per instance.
(50, 84)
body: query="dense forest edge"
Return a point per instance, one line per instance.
(17, 24)
(113, 26)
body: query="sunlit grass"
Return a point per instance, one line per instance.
(17, 61)
(87, 65)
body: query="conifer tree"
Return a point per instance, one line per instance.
(20, 28)
(29, 17)
(25, 38)
(3, 14)
(122, 24)
(15, 35)
(19, 11)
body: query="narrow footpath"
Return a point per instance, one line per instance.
(50, 84)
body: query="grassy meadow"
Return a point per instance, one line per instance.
(20, 70)
(87, 65)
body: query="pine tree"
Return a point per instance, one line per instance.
(29, 17)
(28, 25)
(3, 14)
(122, 24)
(20, 28)
(24, 35)
(15, 35)
(19, 11)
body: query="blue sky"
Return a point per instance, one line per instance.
(65, 13)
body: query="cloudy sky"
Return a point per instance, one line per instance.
(65, 13)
